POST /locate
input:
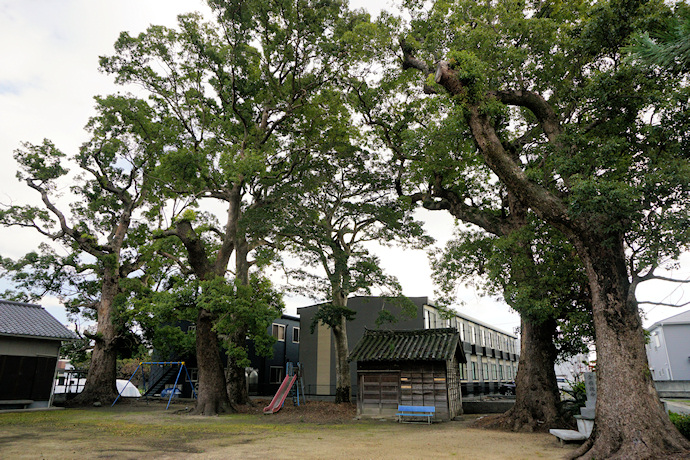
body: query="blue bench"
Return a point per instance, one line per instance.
(416, 411)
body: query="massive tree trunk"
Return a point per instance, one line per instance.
(213, 396)
(238, 391)
(537, 394)
(630, 423)
(236, 377)
(342, 366)
(100, 381)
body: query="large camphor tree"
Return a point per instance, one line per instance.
(441, 170)
(238, 90)
(101, 234)
(602, 162)
(347, 202)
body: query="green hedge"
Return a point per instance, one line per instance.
(682, 422)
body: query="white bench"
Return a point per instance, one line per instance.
(567, 435)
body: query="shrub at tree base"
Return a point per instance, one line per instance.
(682, 422)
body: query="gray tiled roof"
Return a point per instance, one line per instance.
(29, 320)
(418, 345)
(680, 318)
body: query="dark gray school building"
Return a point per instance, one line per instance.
(492, 355)
(267, 373)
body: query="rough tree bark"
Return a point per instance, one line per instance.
(536, 388)
(537, 396)
(100, 381)
(342, 366)
(100, 384)
(236, 378)
(631, 423)
(212, 397)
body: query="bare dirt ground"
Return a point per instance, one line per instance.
(316, 430)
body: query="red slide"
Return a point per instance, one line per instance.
(281, 394)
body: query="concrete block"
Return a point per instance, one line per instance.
(585, 426)
(587, 412)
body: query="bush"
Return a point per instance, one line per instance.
(576, 398)
(682, 422)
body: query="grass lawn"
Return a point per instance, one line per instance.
(150, 432)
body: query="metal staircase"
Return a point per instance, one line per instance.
(163, 377)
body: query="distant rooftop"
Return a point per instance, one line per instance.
(29, 320)
(680, 318)
(409, 345)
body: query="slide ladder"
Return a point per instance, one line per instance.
(281, 394)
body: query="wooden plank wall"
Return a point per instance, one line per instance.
(379, 393)
(424, 384)
(382, 386)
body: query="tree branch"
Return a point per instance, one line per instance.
(663, 304)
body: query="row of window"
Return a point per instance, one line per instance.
(278, 331)
(472, 333)
(498, 371)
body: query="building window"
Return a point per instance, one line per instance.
(501, 372)
(461, 328)
(463, 371)
(485, 371)
(279, 332)
(494, 373)
(295, 335)
(482, 338)
(475, 371)
(473, 332)
(276, 374)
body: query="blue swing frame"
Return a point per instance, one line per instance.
(162, 363)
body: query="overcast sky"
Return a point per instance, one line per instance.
(49, 53)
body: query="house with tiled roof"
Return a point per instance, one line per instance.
(418, 367)
(30, 340)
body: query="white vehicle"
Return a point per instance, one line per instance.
(73, 385)
(563, 384)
